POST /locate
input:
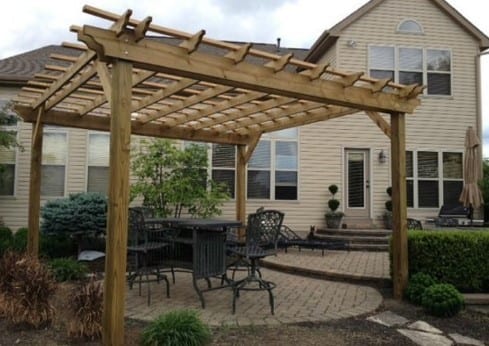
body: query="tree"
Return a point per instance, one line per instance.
(172, 180)
(484, 185)
(8, 139)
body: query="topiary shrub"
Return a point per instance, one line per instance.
(67, 269)
(442, 300)
(87, 304)
(177, 328)
(418, 283)
(81, 212)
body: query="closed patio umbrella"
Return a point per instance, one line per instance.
(471, 195)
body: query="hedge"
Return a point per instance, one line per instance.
(460, 258)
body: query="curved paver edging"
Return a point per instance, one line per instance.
(298, 299)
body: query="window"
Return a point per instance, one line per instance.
(410, 26)
(432, 177)
(54, 153)
(224, 165)
(272, 169)
(431, 67)
(8, 125)
(98, 162)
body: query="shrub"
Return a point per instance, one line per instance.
(57, 245)
(19, 242)
(87, 304)
(6, 238)
(81, 212)
(442, 300)
(418, 283)
(455, 257)
(177, 328)
(67, 269)
(27, 297)
(7, 269)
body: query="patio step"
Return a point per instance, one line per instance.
(358, 240)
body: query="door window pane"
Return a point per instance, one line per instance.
(409, 164)
(410, 193)
(356, 186)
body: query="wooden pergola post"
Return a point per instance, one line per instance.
(117, 218)
(35, 186)
(399, 207)
(241, 185)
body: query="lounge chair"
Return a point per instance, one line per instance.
(288, 238)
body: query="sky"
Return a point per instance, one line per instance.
(30, 24)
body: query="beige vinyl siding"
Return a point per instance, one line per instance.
(441, 121)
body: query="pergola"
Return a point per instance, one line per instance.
(127, 82)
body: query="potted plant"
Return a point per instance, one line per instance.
(333, 217)
(388, 210)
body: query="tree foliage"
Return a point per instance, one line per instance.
(8, 139)
(173, 180)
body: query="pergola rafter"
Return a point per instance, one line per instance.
(187, 86)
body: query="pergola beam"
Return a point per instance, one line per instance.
(380, 122)
(220, 70)
(102, 123)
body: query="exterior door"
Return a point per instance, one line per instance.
(357, 183)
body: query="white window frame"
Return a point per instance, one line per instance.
(55, 129)
(415, 178)
(425, 67)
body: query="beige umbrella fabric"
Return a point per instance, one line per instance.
(471, 195)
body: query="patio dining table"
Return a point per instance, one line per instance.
(199, 247)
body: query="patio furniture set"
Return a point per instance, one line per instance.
(208, 248)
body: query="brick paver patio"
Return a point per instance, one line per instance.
(297, 298)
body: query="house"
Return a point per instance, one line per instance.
(422, 41)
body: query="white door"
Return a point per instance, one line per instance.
(357, 183)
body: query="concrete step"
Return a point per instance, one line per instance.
(355, 232)
(355, 239)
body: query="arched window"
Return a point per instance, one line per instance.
(410, 26)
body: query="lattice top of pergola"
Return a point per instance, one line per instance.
(180, 90)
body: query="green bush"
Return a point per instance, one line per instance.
(455, 257)
(6, 238)
(81, 212)
(418, 283)
(19, 241)
(58, 245)
(442, 300)
(177, 328)
(67, 269)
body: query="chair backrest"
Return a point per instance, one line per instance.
(136, 234)
(264, 228)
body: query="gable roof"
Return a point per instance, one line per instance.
(18, 69)
(329, 37)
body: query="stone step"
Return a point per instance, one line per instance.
(355, 232)
(355, 239)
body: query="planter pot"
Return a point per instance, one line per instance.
(334, 221)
